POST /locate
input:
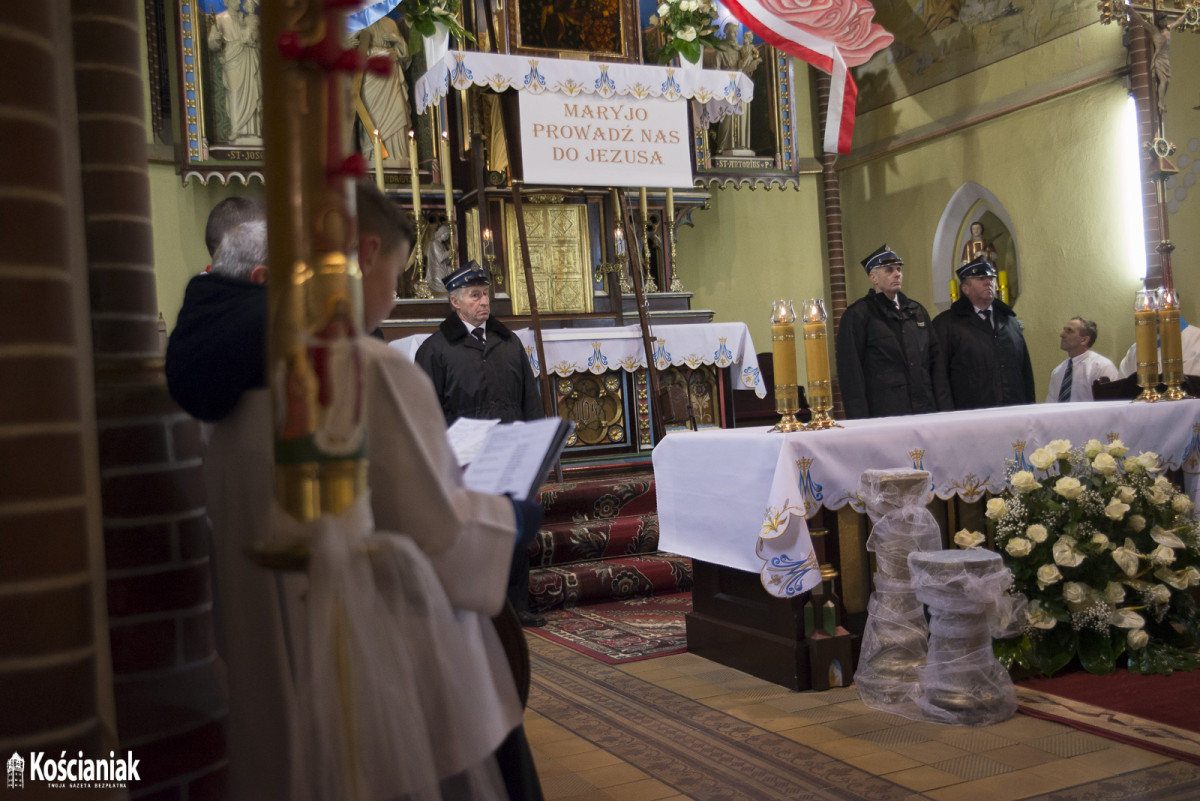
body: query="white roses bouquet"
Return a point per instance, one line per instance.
(688, 26)
(1106, 550)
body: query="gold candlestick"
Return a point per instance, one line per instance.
(1172, 345)
(816, 365)
(783, 350)
(676, 284)
(617, 265)
(1145, 330)
(421, 289)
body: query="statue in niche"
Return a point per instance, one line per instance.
(233, 35)
(1160, 62)
(977, 244)
(733, 132)
(382, 101)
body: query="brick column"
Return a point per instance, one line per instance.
(831, 197)
(55, 684)
(170, 711)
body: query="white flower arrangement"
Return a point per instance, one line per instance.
(1108, 553)
(688, 26)
(421, 16)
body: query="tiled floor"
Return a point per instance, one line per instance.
(1021, 758)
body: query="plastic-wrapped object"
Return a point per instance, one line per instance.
(895, 637)
(966, 593)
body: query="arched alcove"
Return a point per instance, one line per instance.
(970, 203)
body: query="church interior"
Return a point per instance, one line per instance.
(1040, 131)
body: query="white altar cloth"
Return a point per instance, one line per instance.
(598, 350)
(739, 497)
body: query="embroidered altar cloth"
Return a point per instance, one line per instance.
(739, 497)
(719, 93)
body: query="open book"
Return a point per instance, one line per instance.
(508, 458)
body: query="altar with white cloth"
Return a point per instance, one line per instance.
(614, 359)
(737, 501)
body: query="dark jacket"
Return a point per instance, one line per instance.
(986, 366)
(217, 350)
(887, 359)
(487, 381)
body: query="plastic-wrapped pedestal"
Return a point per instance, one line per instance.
(895, 636)
(965, 591)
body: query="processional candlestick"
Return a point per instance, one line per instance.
(1159, 23)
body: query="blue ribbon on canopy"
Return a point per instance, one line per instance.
(373, 13)
(354, 22)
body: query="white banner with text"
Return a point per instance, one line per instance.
(592, 141)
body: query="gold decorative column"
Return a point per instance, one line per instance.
(783, 350)
(816, 365)
(1145, 329)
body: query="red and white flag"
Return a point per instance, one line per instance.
(832, 35)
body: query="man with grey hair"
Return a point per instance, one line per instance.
(1072, 380)
(204, 375)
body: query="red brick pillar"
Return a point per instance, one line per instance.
(55, 684)
(831, 196)
(170, 711)
(1140, 78)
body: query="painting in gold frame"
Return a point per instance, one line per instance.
(595, 30)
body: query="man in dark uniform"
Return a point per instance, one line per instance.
(478, 366)
(982, 344)
(479, 369)
(887, 354)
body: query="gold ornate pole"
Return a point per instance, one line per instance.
(420, 285)
(783, 353)
(816, 365)
(676, 284)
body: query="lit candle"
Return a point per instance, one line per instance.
(446, 184)
(378, 159)
(412, 166)
(489, 251)
(1145, 337)
(1169, 337)
(670, 204)
(783, 351)
(816, 355)
(619, 241)
(644, 206)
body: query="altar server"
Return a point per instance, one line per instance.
(982, 346)
(416, 489)
(1072, 379)
(886, 350)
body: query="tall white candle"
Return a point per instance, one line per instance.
(446, 184)
(378, 159)
(412, 166)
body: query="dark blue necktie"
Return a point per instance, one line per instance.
(477, 333)
(1064, 392)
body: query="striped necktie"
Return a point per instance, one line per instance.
(1064, 392)
(477, 332)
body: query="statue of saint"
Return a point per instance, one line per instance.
(733, 132)
(976, 245)
(382, 100)
(233, 35)
(1160, 62)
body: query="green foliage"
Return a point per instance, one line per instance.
(688, 27)
(420, 15)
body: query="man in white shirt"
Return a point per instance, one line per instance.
(1072, 379)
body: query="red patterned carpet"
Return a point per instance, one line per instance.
(1159, 713)
(622, 631)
